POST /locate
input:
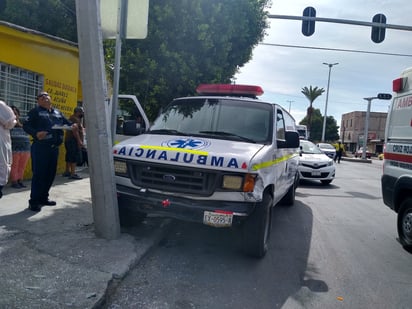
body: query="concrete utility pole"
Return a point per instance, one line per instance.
(95, 101)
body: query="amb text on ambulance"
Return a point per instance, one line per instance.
(397, 165)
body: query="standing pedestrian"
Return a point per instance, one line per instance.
(339, 151)
(44, 125)
(73, 142)
(20, 146)
(7, 121)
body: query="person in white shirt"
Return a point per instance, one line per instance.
(7, 121)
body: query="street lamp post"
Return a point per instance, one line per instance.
(381, 96)
(366, 129)
(290, 104)
(330, 65)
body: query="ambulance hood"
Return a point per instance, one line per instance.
(188, 151)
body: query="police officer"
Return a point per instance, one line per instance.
(45, 148)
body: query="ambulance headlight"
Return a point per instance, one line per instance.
(243, 183)
(232, 182)
(120, 168)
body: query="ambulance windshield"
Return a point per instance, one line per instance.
(221, 118)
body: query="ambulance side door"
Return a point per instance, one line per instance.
(131, 120)
(279, 151)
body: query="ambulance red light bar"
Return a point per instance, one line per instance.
(229, 89)
(397, 84)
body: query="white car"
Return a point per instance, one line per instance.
(314, 164)
(327, 149)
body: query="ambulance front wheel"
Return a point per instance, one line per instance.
(405, 223)
(289, 198)
(129, 216)
(256, 229)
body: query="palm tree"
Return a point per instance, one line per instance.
(311, 94)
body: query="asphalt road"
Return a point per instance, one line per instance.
(336, 248)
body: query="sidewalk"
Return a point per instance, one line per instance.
(52, 258)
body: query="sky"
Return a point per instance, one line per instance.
(282, 72)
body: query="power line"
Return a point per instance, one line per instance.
(337, 49)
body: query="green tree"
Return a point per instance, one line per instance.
(331, 130)
(54, 17)
(311, 94)
(189, 42)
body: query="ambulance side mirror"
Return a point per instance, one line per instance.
(292, 139)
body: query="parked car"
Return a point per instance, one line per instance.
(327, 149)
(314, 164)
(359, 152)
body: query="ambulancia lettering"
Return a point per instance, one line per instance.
(181, 157)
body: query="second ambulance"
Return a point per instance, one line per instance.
(397, 166)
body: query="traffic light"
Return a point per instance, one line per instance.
(308, 26)
(384, 96)
(378, 33)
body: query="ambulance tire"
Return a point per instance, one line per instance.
(405, 223)
(289, 198)
(129, 218)
(256, 229)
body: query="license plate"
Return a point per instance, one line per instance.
(217, 219)
(316, 173)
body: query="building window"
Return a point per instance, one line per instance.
(19, 87)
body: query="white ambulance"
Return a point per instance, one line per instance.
(397, 170)
(222, 158)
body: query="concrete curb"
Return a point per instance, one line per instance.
(53, 259)
(356, 160)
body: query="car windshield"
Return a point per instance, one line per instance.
(326, 146)
(220, 118)
(309, 148)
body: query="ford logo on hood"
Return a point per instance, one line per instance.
(169, 178)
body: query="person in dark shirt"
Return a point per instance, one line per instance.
(44, 124)
(74, 144)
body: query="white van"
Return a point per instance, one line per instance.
(397, 165)
(222, 158)
(303, 131)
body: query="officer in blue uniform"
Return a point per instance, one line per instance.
(44, 149)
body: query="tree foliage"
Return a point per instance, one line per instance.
(189, 42)
(311, 94)
(54, 17)
(331, 129)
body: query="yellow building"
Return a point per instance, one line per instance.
(32, 61)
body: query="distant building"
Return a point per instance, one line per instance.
(352, 130)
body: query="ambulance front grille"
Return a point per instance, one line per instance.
(173, 178)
